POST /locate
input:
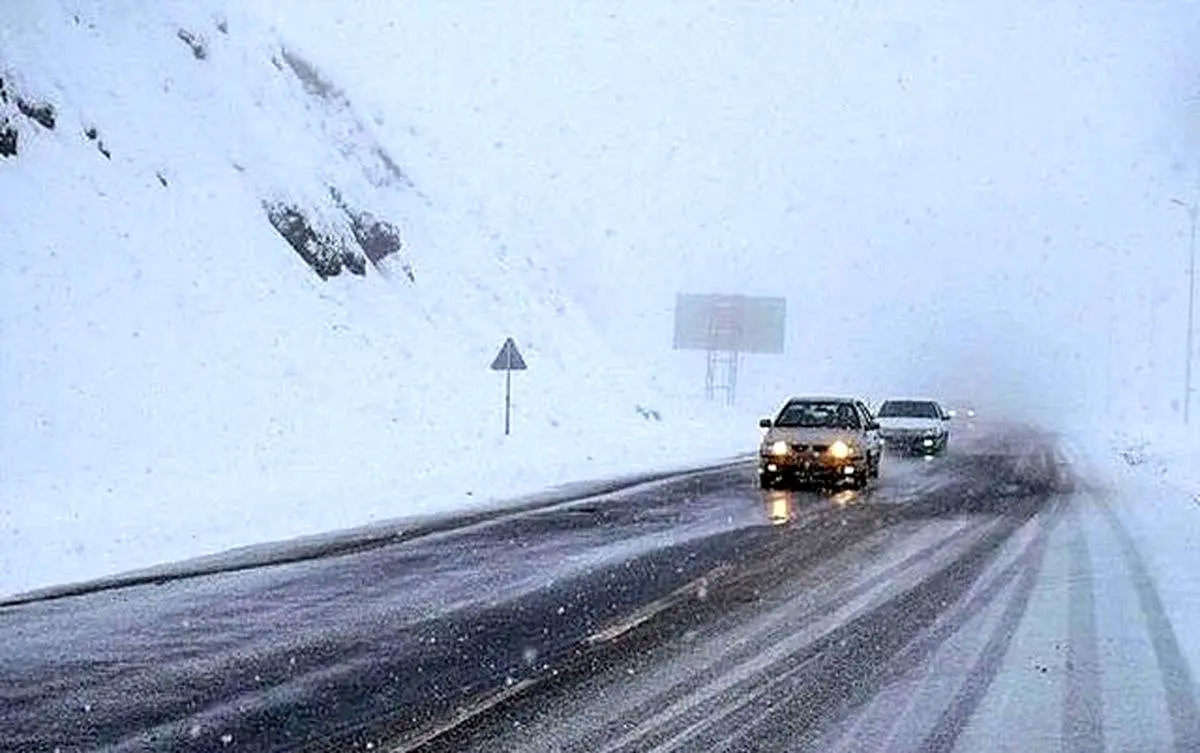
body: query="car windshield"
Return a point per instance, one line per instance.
(818, 415)
(909, 409)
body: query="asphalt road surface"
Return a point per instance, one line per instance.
(951, 606)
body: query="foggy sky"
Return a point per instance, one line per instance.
(953, 196)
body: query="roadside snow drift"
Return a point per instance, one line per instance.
(229, 314)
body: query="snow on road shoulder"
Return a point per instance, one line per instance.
(1150, 479)
(211, 515)
(1171, 454)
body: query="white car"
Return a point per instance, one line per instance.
(914, 426)
(823, 440)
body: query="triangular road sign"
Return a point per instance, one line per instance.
(509, 358)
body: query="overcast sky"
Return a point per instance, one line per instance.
(947, 192)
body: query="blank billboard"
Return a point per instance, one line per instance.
(745, 324)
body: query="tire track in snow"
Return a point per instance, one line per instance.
(1177, 680)
(851, 662)
(704, 701)
(1083, 706)
(978, 680)
(919, 655)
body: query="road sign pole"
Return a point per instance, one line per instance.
(507, 401)
(508, 360)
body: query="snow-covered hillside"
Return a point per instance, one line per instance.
(176, 378)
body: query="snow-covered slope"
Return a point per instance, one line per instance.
(176, 379)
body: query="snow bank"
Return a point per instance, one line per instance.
(179, 378)
(1170, 452)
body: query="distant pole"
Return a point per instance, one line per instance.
(1193, 210)
(1191, 328)
(1113, 274)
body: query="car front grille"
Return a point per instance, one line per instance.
(801, 449)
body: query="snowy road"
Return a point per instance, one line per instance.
(991, 600)
(1004, 606)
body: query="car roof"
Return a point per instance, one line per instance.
(910, 400)
(821, 399)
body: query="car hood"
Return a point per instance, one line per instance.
(910, 424)
(810, 436)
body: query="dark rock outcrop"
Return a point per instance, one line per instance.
(40, 112)
(326, 254)
(8, 139)
(199, 50)
(377, 237)
(355, 263)
(93, 135)
(650, 414)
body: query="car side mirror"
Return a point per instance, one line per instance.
(764, 423)
(873, 426)
(947, 418)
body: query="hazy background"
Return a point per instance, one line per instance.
(964, 197)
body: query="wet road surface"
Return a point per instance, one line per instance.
(695, 613)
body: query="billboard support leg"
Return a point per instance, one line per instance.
(710, 374)
(721, 374)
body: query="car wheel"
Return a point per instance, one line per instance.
(873, 471)
(767, 482)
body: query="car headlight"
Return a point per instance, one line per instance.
(778, 448)
(839, 450)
